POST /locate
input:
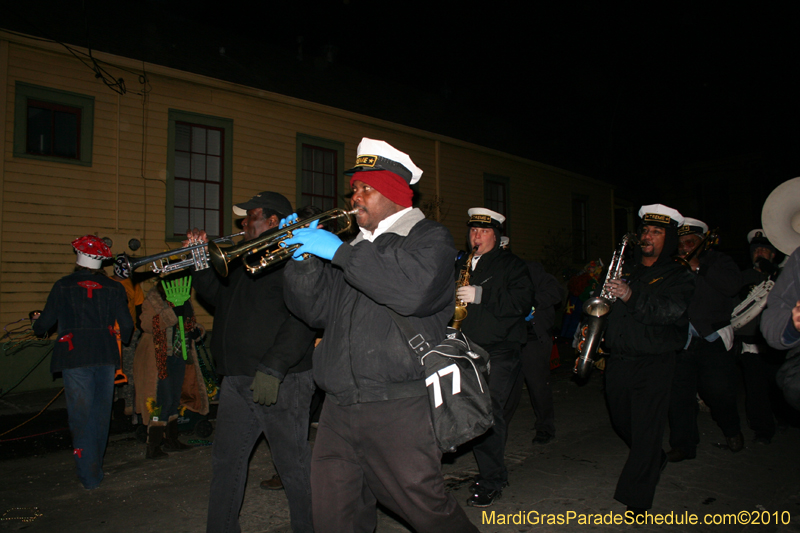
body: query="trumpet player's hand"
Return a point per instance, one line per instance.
(619, 289)
(194, 236)
(314, 241)
(288, 221)
(469, 294)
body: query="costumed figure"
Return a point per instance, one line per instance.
(86, 305)
(165, 382)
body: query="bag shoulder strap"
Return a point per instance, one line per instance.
(416, 341)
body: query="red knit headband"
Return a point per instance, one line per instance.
(388, 184)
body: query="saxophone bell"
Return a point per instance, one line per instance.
(597, 310)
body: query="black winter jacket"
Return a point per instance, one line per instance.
(253, 329)
(363, 356)
(655, 318)
(508, 294)
(85, 305)
(718, 283)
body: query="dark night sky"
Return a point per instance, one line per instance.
(617, 93)
(627, 94)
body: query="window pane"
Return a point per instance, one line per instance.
(329, 160)
(181, 221)
(198, 167)
(39, 121)
(182, 135)
(199, 140)
(319, 165)
(318, 186)
(328, 186)
(182, 194)
(197, 218)
(306, 187)
(181, 165)
(212, 196)
(212, 223)
(213, 168)
(66, 134)
(214, 142)
(198, 194)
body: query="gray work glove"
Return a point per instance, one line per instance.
(265, 388)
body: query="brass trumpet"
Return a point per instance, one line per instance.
(198, 258)
(270, 243)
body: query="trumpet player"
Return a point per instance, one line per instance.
(706, 366)
(264, 352)
(375, 442)
(647, 326)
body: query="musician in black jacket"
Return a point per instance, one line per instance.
(706, 366)
(759, 361)
(499, 297)
(648, 324)
(265, 353)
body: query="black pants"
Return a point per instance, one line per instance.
(535, 358)
(704, 368)
(380, 451)
(637, 392)
(760, 386)
(489, 448)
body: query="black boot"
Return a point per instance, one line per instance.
(172, 444)
(155, 434)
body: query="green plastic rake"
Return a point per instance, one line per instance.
(178, 291)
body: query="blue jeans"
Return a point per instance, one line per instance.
(89, 392)
(240, 422)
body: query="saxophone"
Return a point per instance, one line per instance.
(597, 310)
(463, 280)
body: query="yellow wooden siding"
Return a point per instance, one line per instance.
(47, 204)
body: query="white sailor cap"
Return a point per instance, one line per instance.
(504, 241)
(692, 226)
(758, 239)
(380, 155)
(660, 215)
(485, 218)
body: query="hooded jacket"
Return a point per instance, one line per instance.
(655, 318)
(363, 356)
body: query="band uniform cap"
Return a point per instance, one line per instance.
(373, 154)
(660, 215)
(692, 226)
(504, 241)
(265, 200)
(757, 234)
(484, 218)
(758, 239)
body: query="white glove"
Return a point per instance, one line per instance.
(469, 294)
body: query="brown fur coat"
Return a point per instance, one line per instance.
(145, 371)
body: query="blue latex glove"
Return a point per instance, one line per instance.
(314, 241)
(530, 316)
(288, 221)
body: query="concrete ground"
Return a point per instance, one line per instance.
(570, 479)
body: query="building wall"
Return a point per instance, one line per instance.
(122, 194)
